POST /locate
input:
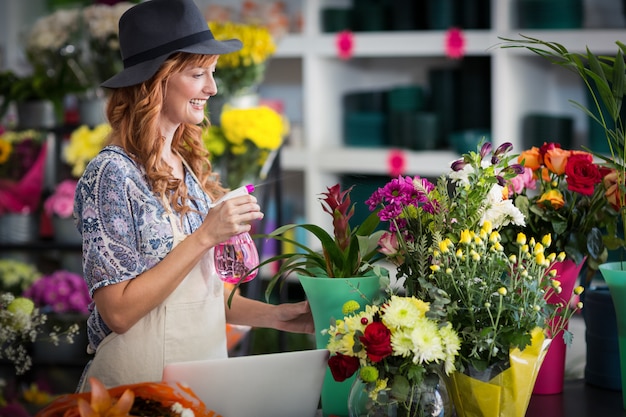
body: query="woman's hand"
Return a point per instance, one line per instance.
(229, 218)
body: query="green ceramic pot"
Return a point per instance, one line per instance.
(614, 274)
(327, 297)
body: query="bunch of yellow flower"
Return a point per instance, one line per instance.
(240, 70)
(85, 143)
(244, 141)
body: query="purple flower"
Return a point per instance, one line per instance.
(61, 292)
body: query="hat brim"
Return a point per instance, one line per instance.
(145, 70)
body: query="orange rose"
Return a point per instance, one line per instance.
(554, 197)
(532, 158)
(556, 159)
(612, 194)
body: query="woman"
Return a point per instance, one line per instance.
(143, 208)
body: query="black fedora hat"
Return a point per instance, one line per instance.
(153, 30)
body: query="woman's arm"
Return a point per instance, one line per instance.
(289, 317)
(121, 305)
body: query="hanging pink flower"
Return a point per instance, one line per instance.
(345, 44)
(455, 43)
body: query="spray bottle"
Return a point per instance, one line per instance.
(235, 257)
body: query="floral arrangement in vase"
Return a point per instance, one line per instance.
(445, 240)
(102, 36)
(561, 192)
(84, 144)
(394, 347)
(21, 324)
(60, 292)
(240, 72)
(244, 144)
(16, 276)
(604, 76)
(22, 157)
(144, 398)
(61, 202)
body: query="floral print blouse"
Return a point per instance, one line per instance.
(125, 227)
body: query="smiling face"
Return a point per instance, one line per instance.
(187, 93)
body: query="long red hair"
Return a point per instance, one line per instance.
(133, 114)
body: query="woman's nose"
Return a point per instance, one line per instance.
(210, 87)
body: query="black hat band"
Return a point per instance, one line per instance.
(166, 48)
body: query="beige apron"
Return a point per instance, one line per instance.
(188, 325)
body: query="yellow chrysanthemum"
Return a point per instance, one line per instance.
(350, 307)
(466, 237)
(5, 150)
(84, 145)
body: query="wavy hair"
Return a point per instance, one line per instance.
(134, 113)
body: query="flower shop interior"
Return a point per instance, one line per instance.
(348, 92)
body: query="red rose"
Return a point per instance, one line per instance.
(377, 341)
(582, 173)
(342, 367)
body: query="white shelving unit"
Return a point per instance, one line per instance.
(521, 82)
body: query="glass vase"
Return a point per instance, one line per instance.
(428, 399)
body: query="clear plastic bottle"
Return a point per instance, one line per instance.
(235, 257)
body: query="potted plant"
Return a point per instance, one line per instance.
(59, 206)
(64, 297)
(342, 267)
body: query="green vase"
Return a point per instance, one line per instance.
(614, 274)
(327, 297)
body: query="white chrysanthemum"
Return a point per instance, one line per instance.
(427, 342)
(401, 312)
(402, 343)
(451, 341)
(461, 177)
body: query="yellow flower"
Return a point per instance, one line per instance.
(84, 145)
(502, 291)
(547, 240)
(521, 239)
(5, 150)
(466, 237)
(350, 307)
(579, 290)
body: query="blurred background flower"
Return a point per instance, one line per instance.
(84, 144)
(241, 71)
(243, 146)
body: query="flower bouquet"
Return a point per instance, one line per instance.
(22, 160)
(17, 276)
(447, 244)
(400, 355)
(244, 145)
(240, 72)
(21, 324)
(60, 292)
(61, 202)
(561, 192)
(141, 399)
(84, 145)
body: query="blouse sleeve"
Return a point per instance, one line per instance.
(110, 204)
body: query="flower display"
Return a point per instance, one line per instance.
(60, 292)
(239, 71)
(17, 276)
(61, 202)
(22, 157)
(561, 192)
(243, 145)
(603, 75)
(84, 145)
(54, 52)
(20, 325)
(102, 36)
(393, 346)
(445, 240)
(140, 399)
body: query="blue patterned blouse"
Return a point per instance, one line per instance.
(124, 225)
